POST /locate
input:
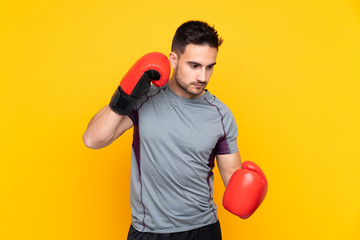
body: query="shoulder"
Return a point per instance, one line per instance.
(153, 90)
(223, 109)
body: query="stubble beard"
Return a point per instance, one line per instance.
(189, 88)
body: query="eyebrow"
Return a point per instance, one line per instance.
(196, 63)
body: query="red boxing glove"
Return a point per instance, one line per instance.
(153, 67)
(245, 191)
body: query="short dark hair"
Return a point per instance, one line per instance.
(195, 32)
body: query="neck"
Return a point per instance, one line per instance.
(173, 85)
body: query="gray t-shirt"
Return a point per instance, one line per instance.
(174, 146)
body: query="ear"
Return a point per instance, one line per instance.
(173, 58)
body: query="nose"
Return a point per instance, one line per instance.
(201, 75)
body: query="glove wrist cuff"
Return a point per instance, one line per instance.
(121, 103)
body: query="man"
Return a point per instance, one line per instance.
(179, 128)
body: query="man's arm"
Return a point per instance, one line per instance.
(246, 185)
(105, 127)
(112, 121)
(228, 164)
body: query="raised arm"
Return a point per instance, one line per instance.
(105, 127)
(112, 121)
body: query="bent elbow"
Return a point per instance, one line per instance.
(89, 142)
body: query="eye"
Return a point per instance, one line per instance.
(194, 66)
(210, 67)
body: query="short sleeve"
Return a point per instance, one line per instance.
(227, 144)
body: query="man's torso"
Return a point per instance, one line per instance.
(175, 143)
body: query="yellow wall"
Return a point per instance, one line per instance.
(289, 70)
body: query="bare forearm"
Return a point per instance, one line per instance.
(105, 127)
(228, 164)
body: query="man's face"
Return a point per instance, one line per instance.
(193, 69)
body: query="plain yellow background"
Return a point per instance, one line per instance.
(289, 70)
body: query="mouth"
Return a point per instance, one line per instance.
(198, 85)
